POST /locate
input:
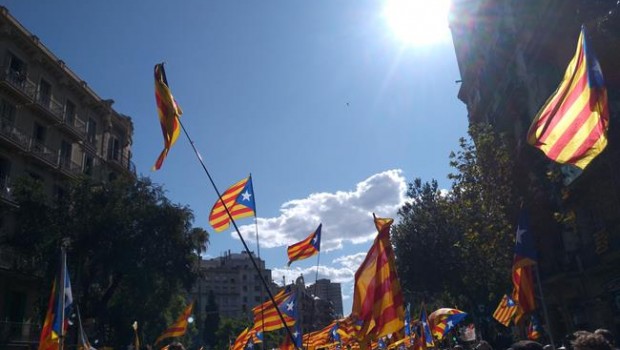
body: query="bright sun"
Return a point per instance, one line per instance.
(418, 22)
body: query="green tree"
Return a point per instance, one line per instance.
(454, 248)
(131, 251)
(228, 331)
(212, 321)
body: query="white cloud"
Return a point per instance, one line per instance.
(346, 215)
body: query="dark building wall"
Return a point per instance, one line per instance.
(512, 56)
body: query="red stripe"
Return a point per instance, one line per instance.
(568, 136)
(555, 107)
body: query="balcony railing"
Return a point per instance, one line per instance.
(43, 152)
(76, 124)
(122, 162)
(54, 107)
(10, 132)
(70, 167)
(19, 81)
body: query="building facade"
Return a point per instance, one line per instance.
(234, 282)
(53, 128)
(329, 291)
(512, 56)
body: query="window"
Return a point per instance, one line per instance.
(38, 134)
(5, 172)
(7, 115)
(69, 112)
(45, 93)
(114, 149)
(17, 70)
(88, 164)
(65, 152)
(91, 130)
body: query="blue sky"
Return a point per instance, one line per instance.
(330, 110)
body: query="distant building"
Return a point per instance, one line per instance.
(329, 291)
(235, 283)
(53, 128)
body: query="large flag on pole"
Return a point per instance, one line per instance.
(310, 246)
(179, 327)
(239, 199)
(377, 296)
(55, 323)
(169, 112)
(571, 127)
(523, 268)
(269, 320)
(242, 340)
(505, 310)
(445, 319)
(426, 334)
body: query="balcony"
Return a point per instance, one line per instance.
(44, 153)
(52, 107)
(13, 135)
(122, 163)
(69, 167)
(19, 83)
(74, 125)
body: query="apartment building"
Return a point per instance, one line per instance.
(54, 128)
(235, 283)
(329, 291)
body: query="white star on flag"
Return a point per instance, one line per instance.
(289, 306)
(246, 195)
(520, 233)
(450, 325)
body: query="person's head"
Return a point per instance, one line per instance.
(591, 341)
(605, 333)
(527, 345)
(457, 347)
(483, 345)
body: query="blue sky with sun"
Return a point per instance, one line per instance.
(331, 105)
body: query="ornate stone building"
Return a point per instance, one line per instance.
(54, 128)
(512, 56)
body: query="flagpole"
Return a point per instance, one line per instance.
(316, 278)
(61, 295)
(262, 292)
(544, 307)
(232, 220)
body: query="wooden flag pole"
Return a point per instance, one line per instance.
(544, 307)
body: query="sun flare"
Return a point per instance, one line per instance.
(418, 22)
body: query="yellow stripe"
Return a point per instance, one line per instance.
(567, 119)
(585, 130)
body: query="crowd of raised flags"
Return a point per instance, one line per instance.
(570, 128)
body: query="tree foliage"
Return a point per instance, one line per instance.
(455, 247)
(131, 252)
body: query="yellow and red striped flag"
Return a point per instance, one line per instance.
(239, 199)
(377, 296)
(505, 310)
(242, 339)
(179, 327)
(571, 127)
(168, 111)
(310, 246)
(269, 319)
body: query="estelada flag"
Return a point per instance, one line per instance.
(523, 268)
(179, 327)
(306, 248)
(505, 310)
(238, 199)
(168, 111)
(571, 127)
(377, 297)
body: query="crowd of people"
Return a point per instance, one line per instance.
(600, 339)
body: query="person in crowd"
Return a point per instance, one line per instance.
(526, 345)
(607, 335)
(591, 341)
